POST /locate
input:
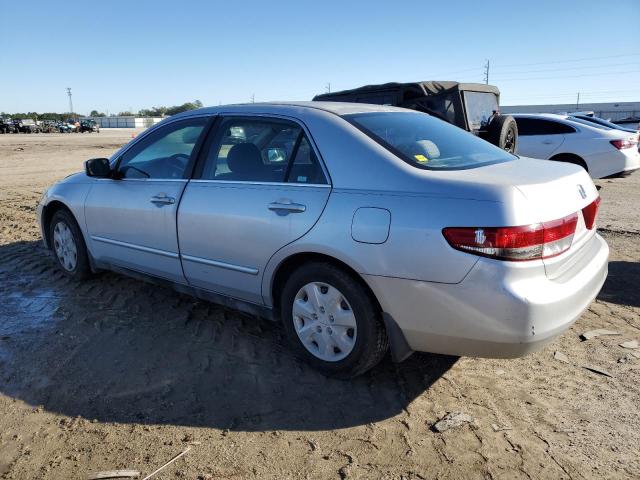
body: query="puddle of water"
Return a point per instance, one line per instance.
(22, 312)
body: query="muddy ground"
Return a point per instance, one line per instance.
(116, 373)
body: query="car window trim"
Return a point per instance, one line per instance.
(221, 116)
(294, 152)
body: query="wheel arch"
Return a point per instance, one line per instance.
(296, 260)
(47, 214)
(570, 158)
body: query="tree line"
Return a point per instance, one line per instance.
(144, 112)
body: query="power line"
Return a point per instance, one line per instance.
(565, 76)
(571, 60)
(573, 68)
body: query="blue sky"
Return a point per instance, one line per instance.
(118, 55)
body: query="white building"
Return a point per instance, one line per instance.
(126, 122)
(610, 111)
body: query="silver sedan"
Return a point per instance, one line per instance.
(362, 228)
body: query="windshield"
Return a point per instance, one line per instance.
(426, 142)
(480, 106)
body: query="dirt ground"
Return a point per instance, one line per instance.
(115, 373)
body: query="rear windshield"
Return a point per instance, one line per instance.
(480, 106)
(426, 142)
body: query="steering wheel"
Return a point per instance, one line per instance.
(177, 164)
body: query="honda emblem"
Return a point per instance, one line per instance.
(581, 191)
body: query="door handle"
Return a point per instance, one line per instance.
(547, 142)
(162, 199)
(287, 206)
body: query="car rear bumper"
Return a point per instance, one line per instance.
(500, 309)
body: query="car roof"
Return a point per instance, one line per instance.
(294, 108)
(550, 116)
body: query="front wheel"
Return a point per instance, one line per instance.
(332, 321)
(68, 245)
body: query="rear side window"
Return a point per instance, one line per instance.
(537, 126)
(426, 142)
(261, 150)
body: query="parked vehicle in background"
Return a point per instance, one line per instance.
(65, 127)
(601, 122)
(25, 125)
(358, 226)
(602, 151)
(473, 107)
(89, 126)
(6, 125)
(48, 126)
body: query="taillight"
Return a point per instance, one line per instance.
(621, 144)
(529, 242)
(590, 212)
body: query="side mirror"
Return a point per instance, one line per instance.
(98, 167)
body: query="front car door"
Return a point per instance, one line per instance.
(540, 138)
(260, 185)
(131, 218)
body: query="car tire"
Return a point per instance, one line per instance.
(348, 323)
(503, 132)
(68, 246)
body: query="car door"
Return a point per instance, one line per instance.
(540, 138)
(259, 185)
(131, 218)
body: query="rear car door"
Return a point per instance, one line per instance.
(259, 185)
(540, 138)
(131, 218)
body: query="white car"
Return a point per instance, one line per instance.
(602, 151)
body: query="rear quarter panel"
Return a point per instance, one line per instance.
(415, 248)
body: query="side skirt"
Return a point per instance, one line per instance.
(213, 297)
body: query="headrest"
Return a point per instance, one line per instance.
(245, 158)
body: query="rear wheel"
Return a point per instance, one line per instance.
(68, 245)
(332, 321)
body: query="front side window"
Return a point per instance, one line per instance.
(426, 142)
(261, 150)
(165, 153)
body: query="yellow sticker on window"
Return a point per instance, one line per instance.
(421, 158)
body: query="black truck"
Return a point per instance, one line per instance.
(473, 107)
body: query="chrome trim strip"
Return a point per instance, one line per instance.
(215, 263)
(277, 184)
(133, 246)
(183, 180)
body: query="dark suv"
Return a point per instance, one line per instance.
(473, 107)
(6, 125)
(89, 126)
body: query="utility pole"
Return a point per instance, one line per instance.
(253, 98)
(578, 101)
(70, 101)
(328, 87)
(486, 72)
